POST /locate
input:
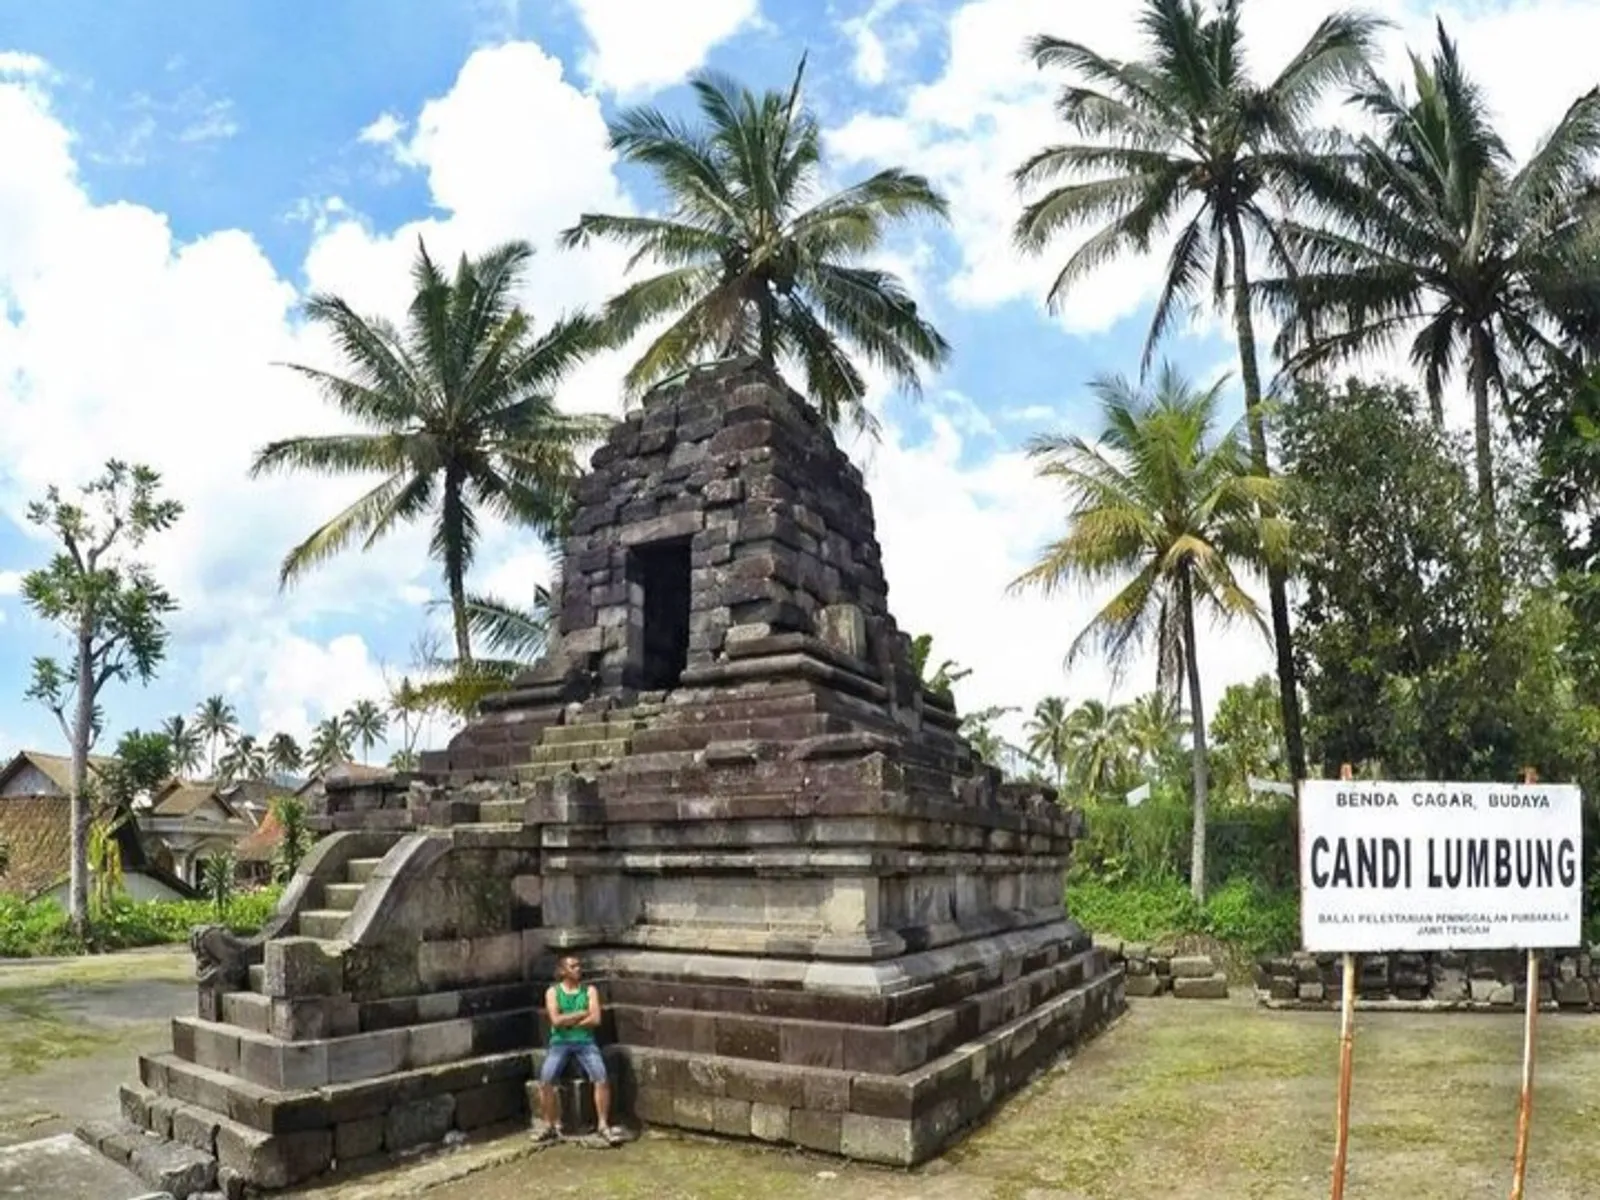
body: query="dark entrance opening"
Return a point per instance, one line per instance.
(662, 571)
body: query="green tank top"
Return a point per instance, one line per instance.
(571, 1002)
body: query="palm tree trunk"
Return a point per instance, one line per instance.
(451, 518)
(769, 322)
(1277, 577)
(1197, 853)
(1483, 462)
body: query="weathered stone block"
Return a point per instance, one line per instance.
(418, 1122)
(366, 1056)
(730, 1117)
(1144, 985)
(876, 1139)
(1187, 987)
(1198, 966)
(1311, 993)
(441, 1041)
(1483, 990)
(273, 1160)
(171, 1167)
(135, 1100)
(501, 1100)
(769, 1122)
(694, 1112)
(195, 1127)
(297, 966)
(357, 1139)
(816, 1130)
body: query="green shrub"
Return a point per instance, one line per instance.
(1153, 841)
(1250, 918)
(1145, 911)
(39, 929)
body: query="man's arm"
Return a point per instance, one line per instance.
(558, 1019)
(591, 1017)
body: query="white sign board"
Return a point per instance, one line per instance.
(1440, 866)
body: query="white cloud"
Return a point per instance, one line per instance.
(871, 64)
(384, 131)
(302, 683)
(990, 108)
(18, 63)
(183, 375)
(643, 45)
(958, 520)
(213, 123)
(10, 583)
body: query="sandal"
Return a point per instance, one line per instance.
(543, 1134)
(614, 1135)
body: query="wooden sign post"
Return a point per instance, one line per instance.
(1530, 1019)
(1347, 1041)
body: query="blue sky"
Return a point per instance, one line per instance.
(180, 173)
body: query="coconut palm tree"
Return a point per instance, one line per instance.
(246, 759)
(458, 413)
(1098, 754)
(1437, 233)
(1169, 512)
(186, 741)
(754, 259)
(1048, 739)
(1155, 727)
(1185, 147)
(283, 754)
(366, 723)
(216, 722)
(330, 745)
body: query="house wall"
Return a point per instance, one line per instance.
(29, 781)
(136, 887)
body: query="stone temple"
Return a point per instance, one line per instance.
(814, 917)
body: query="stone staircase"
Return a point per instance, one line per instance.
(324, 1058)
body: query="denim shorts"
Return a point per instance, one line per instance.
(587, 1054)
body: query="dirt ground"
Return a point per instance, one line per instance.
(1188, 1100)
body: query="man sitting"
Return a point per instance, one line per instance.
(573, 1008)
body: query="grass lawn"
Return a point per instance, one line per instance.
(70, 1032)
(1188, 1100)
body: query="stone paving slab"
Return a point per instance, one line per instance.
(64, 1168)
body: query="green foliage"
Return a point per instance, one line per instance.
(246, 759)
(143, 762)
(944, 677)
(109, 608)
(1412, 667)
(1254, 918)
(366, 723)
(41, 928)
(331, 743)
(184, 742)
(1147, 910)
(219, 875)
(1169, 512)
(1247, 738)
(1153, 842)
(1250, 918)
(290, 812)
(755, 259)
(216, 722)
(105, 861)
(457, 415)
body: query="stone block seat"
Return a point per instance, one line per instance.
(815, 917)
